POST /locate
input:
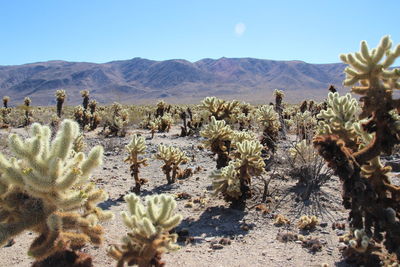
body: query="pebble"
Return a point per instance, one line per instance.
(340, 232)
(209, 239)
(217, 246)
(323, 224)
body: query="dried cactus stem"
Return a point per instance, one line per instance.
(167, 171)
(5, 101)
(60, 103)
(245, 182)
(66, 258)
(184, 130)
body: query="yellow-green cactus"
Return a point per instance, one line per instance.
(27, 101)
(226, 181)
(234, 180)
(371, 69)
(374, 208)
(305, 124)
(149, 227)
(251, 162)
(136, 147)
(219, 108)
(165, 123)
(116, 122)
(307, 222)
(60, 97)
(340, 117)
(85, 96)
(172, 157)
(46, 189)
(219, 137)
(268, 119)
(360, 242)
(240, 136)
(153, 126)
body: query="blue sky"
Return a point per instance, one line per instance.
(315, 31)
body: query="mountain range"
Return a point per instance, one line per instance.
(143, 81)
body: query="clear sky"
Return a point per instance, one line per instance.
(315, 31)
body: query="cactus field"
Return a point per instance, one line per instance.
(217, 183)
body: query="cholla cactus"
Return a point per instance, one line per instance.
(371, 70)
(226, 181)
(60, 97)
(149, 235)
(92, 106)
(27, 101)
(162, 107)
(6, 99)
(136, 147)
(268, 118)
(374, 208)
(307, 222)
(340, 118)
(241, 136)
(81, 117)
(78, 144)
(85, 95)
(218, 108)
(305, 124)
(153, 126)
(234, 180)
(172, 158)
(360, 242)
(219, 137)
(5, 117)
(28, 112)
(46, 190)
(115, 125)
(165, 123)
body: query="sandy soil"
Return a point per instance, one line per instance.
(252, 235)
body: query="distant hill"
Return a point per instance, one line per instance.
(176, 81)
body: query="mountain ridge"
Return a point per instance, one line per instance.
(140, 80)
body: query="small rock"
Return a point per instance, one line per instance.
(323, 224)
(209, 239)
(217, 246)
(340, 232)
